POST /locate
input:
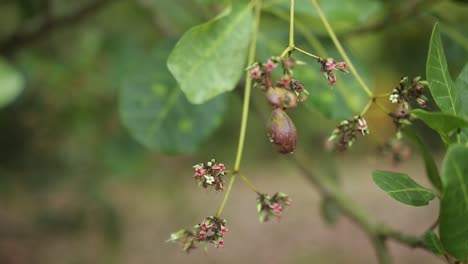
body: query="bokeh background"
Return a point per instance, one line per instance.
(77, 186)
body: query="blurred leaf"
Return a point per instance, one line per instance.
(402, 188)
(440, 122)
(11, 83)
(462, 84)
(209, 59)
(157, 113)
(443, 90)
(432, 241)
(330, 211)
(431, 168)
(454, 205)
(343, 15)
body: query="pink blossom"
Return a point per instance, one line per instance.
(421, 102)
(270, 65)
(220, 244)
(199, 171)
(285, 81)
(277, 208)
(219, 166)
(331, 79)
(202, 234)
(255, 73)
(342, 66)
(204, 226)
(224, 230)
(330, 65)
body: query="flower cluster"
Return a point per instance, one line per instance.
(407, 91)
(211, 230)
(210, 174)
(328, 66)
(291, 89)
(272, 206)
(396, 150)
(346, 133)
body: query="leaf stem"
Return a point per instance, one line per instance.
(307, 53)
(226, 195)
(291, 25)
(341, 49)
(382, 107)
(245, 107)
(367, 107)
(247, 181)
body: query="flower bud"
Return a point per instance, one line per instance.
(282, 131)
(282, 98)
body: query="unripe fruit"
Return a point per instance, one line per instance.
(282, 98)
(282, 131)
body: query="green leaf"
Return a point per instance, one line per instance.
(402, 188)
(441, 122)
(445, 94)
(158, 115)
(454, 205)
(462, 86)
(209, 59)
(431, 168)
(11, 83)
(432, 241)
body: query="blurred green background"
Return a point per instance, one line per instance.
(78, 186)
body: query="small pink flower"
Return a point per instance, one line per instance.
(202, 234)
(256, 73)
(220, 244)
(362, 125)
(331, 79)
(270, 65)
(199, 171)
(204, 226)
(224, 230)
(342, 66)
(421, 102)
(330, 65)
(277, 208)
(219, 166)
(285, 81)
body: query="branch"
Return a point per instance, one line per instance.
(21, 39)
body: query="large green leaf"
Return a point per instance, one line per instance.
(431, 168)
(158, 115)
(11, 83)
(432, 241)
(441, 122)
(442, 87)
(462, 85)
(454, 205)
(402, 188)
(209, 59)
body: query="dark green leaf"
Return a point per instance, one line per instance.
(462, 86)
(432, 241)
(454, 205)
(402, 188)
(209, 59)
(11, 83)
(441, 122)
(444, 91)
(330, 211)
(159, 116)
(431, 168)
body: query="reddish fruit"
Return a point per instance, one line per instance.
(282, 131)
(282, 98)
